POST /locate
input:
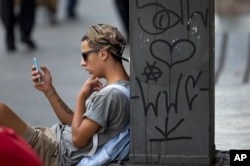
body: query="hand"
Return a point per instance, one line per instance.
(90, 86)
(46, 80)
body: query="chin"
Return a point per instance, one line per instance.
(93, 75)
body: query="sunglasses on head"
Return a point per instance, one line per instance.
(86, 53)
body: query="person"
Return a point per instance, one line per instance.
(25, 18)
(52, 10)
(100, 112)
(71, 8)
(11, 142)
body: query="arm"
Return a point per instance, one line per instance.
(83, 128)
(62, 111)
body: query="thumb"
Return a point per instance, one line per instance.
(44, 69)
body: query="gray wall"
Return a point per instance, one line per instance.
(172, 81)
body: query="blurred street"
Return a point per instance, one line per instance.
(59, 50)
(232, 72)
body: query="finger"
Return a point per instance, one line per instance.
(97, 89)
(44, 69)
(37, 85)
(36, 75)
(96, 80)
(36, 78)
(92, 81)
(33, 68)
(99, 84)
(34, 72)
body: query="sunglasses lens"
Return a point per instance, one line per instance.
(84, 56)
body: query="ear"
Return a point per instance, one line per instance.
(104, 54)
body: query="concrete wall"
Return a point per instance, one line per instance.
(172, 82)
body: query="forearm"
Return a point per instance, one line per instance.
(82, 128)
(62, 111)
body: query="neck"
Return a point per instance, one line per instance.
(116, 73)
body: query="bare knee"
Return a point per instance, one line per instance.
(9, 119)
(4, 110)
(3, 107)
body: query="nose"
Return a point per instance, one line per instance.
(83, 63)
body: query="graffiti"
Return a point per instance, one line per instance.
(173, 51)
(152, 72)
(167, 132)
(164, 19)
(170, 57)
(194, 81)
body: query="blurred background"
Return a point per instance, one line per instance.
(232, 67)
(57, 33)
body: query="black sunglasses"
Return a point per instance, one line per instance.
(86, 53)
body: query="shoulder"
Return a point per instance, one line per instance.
(117, 88)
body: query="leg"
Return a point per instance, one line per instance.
(52, 8)
(26, 21)
(9, 119)
(41, 140)
(8, 19)
(71, 5)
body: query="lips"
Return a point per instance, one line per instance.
(88, 71)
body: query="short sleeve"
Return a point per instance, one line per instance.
(98, 110)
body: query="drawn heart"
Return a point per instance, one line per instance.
(180, 51)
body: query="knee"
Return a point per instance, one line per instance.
(4, 111)
(3, 107)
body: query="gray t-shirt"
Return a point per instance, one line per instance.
(110, 108)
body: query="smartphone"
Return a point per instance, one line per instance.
(37, 68)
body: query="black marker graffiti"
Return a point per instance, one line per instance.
(167, 132)
(152, 72)
(194, 82)
(164, 19)
(173, 55)
(182, 88)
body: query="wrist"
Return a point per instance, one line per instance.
(49, 93)
(47, 89)
(81, 97)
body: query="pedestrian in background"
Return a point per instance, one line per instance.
(52, 10)
(25, 18)
(71, 8)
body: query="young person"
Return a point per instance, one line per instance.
(100, 112)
